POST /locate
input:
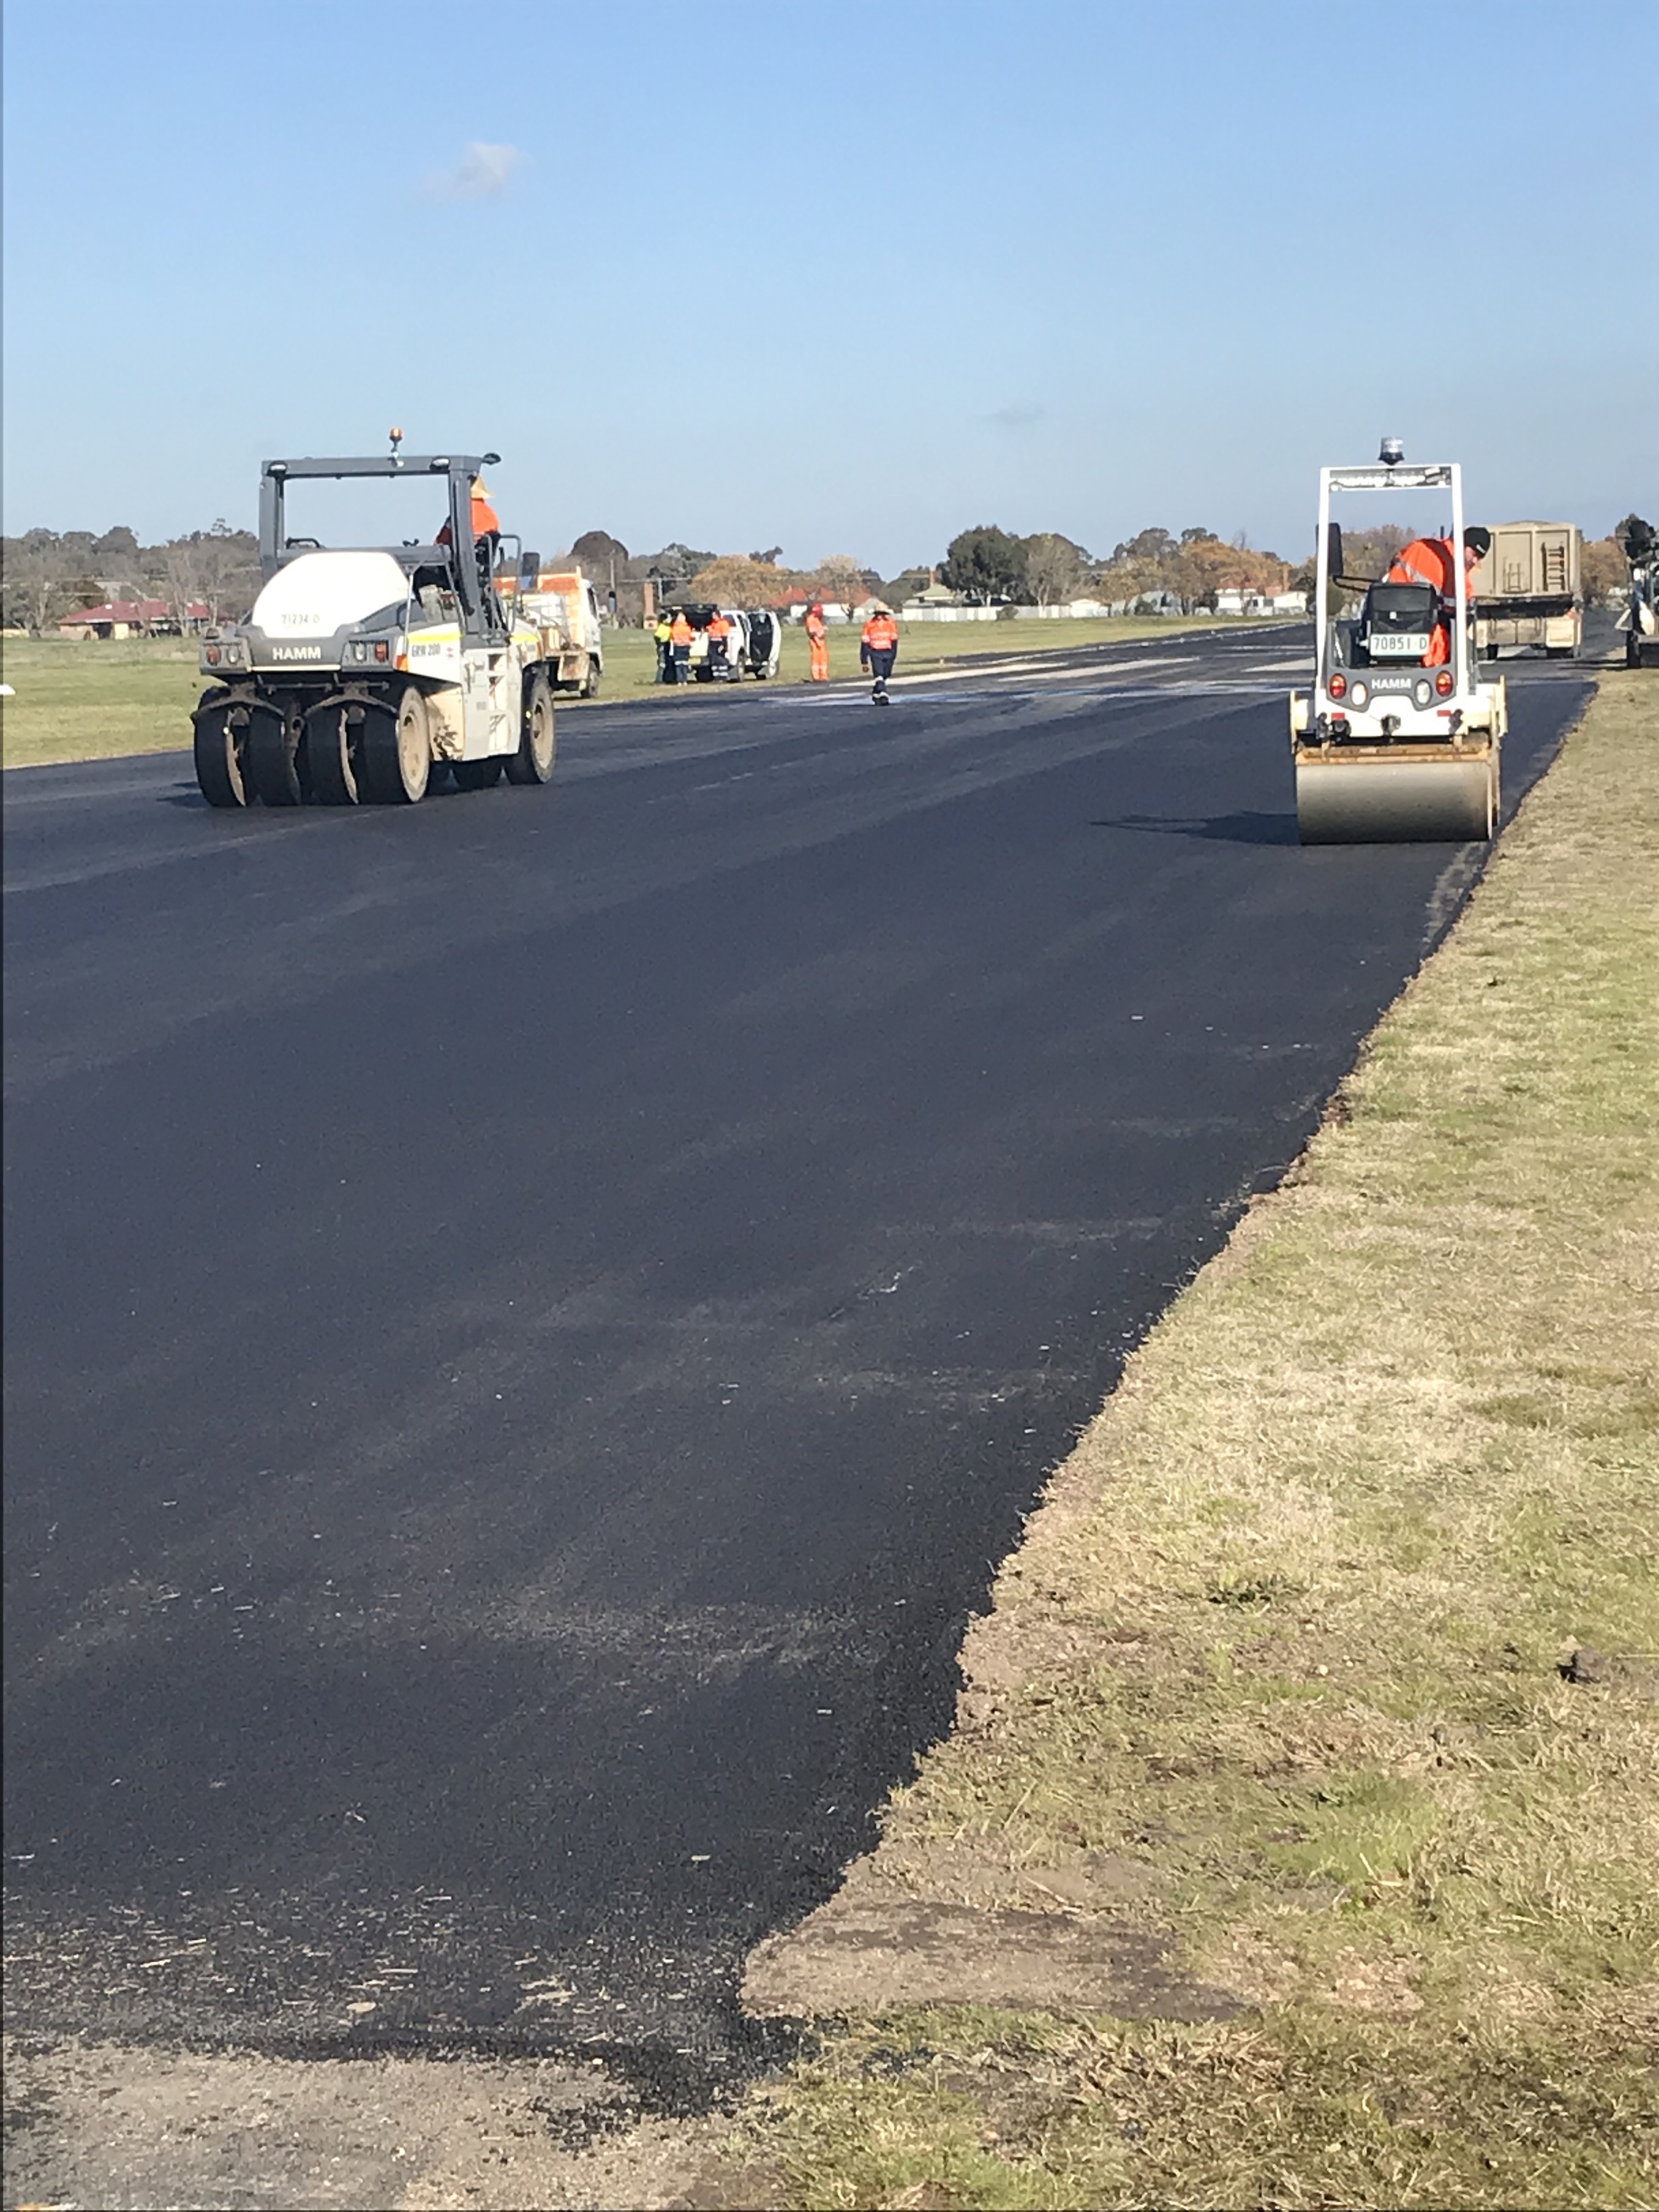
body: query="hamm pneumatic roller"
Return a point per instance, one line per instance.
(1397, 739)
(371, 673)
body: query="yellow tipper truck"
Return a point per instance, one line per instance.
(1527, 589)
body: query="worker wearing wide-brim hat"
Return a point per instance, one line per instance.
(486, 523)
(878, 650)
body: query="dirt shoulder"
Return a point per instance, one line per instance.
(1296, 1841)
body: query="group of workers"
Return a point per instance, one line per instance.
(878, 648)
(677, 636)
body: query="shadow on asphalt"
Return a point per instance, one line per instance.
(1230, 828)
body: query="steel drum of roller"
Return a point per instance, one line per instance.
(1373, 795)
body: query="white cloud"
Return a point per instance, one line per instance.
(1019, 416)
(482, 172)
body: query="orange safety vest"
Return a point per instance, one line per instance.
(1430, 561)
(815, 623)
(679, 631)
(484, 520)
(881, 633)
(719, 627)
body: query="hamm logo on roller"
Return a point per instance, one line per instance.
(296, 652)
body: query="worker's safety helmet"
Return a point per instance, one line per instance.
(1478, 539)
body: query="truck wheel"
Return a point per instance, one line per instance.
(591, 681)
(398, 751)
(218, 750)
(271, 756)
(328, 749)
(533, 762)
(478, 775)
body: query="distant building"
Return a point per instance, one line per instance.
(132, 618)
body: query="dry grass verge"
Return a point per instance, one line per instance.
(1331, 1662)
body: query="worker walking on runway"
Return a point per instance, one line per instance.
(817, 638)
(878, 650)
(680, 635)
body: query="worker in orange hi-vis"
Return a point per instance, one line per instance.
(719, 644)
(486, 523)
(680, 635)
(817, 638)
(1434, 561)
(878, 651)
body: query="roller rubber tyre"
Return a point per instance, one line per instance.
(478, 775)
(271, 755)
(533, 762)
(328, 749)
(397, 749)
(218, 746)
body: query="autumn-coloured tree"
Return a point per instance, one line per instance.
(1601, 569)
(739, 580)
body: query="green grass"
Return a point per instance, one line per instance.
(1288, 1634)
(95, 699)
(92, 700)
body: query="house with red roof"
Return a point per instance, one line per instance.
(132, 618)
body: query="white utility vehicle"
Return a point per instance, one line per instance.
(1397, 738)
(371, 673)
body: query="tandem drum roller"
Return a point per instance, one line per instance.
(1397, 740)
(1366, 795)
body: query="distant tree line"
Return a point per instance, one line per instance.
(45, 576)
(987, 563)
(48, 575)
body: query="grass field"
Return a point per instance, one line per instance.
(91, 700)
(94, 701)
(1284, 1670)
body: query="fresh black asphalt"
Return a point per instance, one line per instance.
(531, 1320)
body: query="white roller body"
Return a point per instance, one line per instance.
(319, 594)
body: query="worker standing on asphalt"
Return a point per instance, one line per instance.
(680, 635)
(1433, 561)
(818, 637)
(664, 660)
(878, 650)
(720, 642)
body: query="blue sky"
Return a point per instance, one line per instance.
(840, 279)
